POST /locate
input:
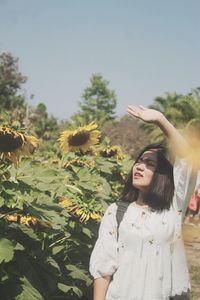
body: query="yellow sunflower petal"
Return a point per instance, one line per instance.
(81, 139)
(13, 144)
(32, 140)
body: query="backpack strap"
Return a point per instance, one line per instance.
(121, 209)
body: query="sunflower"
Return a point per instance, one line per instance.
(77, 162)
(29, 221)
(112, 151)
(13, 144)
(80, 139)
(82, 210)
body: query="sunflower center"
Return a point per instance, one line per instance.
(10, 141)
(79, 139)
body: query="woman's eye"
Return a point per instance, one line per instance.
(139, 161)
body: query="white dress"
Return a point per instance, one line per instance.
(148, 262)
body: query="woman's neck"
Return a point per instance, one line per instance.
(140, 198)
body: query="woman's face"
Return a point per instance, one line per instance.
(144, 169)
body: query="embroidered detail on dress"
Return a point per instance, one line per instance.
(136, 226)
(113, 232)
(151, 241)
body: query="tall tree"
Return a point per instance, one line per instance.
(42, 124)
(181, 110)
(10, 83)
(98, 103)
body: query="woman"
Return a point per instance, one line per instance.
(146, 261)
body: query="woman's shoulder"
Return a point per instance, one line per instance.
(112, 208)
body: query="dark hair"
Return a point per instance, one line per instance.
(161, 189)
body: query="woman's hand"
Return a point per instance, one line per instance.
(145, 114)
(179, 145)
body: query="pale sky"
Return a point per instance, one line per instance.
(144, 48)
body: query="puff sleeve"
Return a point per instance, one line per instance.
(104, 257)
(184, 183)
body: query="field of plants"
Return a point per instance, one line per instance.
(50, 209)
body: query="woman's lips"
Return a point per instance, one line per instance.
(138, 175)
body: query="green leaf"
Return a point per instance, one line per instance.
(87, 232)
(57, 249)
(6, 250)
(47, 175)
(1, 202)
(19, 247)
(53, 264)
(77, 291)
(25, 230)
(77, 273)
(64, 288)
(106, 169)
(87, 186)
(126, 165)
(106, 189)
(102, 196)
(74, 188)
(29, 292)
(84, 175)
(43, 186)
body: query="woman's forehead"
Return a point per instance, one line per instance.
(150, 154)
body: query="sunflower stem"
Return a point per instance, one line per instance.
(16, 173)
(81, 152)
(58, 241)
(61, 161)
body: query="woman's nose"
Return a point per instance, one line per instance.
(140, 166)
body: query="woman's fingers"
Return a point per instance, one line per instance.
(136, 108)
(135, 114)
(134, 111)
(133, 108)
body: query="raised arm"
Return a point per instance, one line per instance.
(148, 115)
